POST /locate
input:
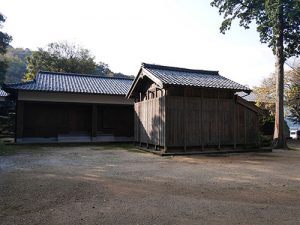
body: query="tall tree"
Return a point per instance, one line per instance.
(60, 57)
(293, 94)
(278, 24)
(5, 39)
(16, 59)
(65, 57)
(266, 93)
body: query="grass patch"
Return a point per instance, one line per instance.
(8, 149)
(11, 149)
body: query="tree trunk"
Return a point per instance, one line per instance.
(279, 136)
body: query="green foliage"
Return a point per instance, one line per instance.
(60, 57)
(17, 61)
(293, 94)
(102, 69)
(278, 24)
(66, 57)
(266, 93)
(266, 124)
(265, 13)
(5, 39)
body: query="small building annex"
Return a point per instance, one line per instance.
(64, 107)
(178, 109)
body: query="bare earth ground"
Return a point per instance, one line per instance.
(120, 185)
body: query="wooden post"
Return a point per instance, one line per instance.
(234, 123)
(94, 120)
(184, 119)
(19, 120)
(218, 119)
(245, 127)
(258, 131)
(165, 130)
(147, 119)
(202, 125)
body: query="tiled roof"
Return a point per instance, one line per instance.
(75, 83)
(249, 97)
(189, 77)
(3, 93)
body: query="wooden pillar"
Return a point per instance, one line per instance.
(147, 119)
(258, 131)
(245, 126)
(140, 109)
(19, 120)
(140, 118)
(166, 123)
(184, 120)
(218, 120)
(94, 120)
(234, 122)
(202, 125)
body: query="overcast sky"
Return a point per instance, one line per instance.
(124, 33)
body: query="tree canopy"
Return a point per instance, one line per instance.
(266, 93)
(16, 59)
(265, 13)
(5, 39)
(60, 57)
(68, 58)
(293, 94)
(278, 25)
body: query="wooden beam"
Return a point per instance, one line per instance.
(250, 105)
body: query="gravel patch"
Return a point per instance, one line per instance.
(120, 185)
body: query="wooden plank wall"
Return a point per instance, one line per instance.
(217, 128)
(149, 121)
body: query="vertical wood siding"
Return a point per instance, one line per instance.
(149, 121)
(194, 121)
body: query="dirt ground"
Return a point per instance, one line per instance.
(120, 185)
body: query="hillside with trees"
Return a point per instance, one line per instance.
(16, 59)
(68, 58)
(23, 64)
(5, 39)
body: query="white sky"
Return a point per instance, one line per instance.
(124, 33)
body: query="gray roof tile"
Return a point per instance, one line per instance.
(75, 83)
(189, 77)
(249, 97)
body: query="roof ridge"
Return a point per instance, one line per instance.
(179, 69)
(82, 75)
(19, 83)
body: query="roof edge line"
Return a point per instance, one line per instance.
(179, 69)
(82, 74)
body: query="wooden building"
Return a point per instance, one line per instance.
(179, 109)
(63, 107)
